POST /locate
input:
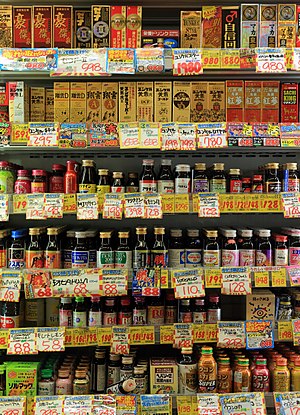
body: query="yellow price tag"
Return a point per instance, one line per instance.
(69, 337)
(182, 204)
(289, 142)
(279, 278)
(226, 203)
(92, 336)
(261, 279)
(285, 331)
(80, 337)
(289, 58)
(164, 278)
(186, 405)
(269, 203)
(19, 134)
(230, 59)
(20, 203)
(104, 336)
(142, 335)
(70, 205)
(211, 58)
(199, 333)
(211, 333)
(168, 203)
(213, 278)
(166, 334)
(3, 339)
(195, 203)
(101, 197)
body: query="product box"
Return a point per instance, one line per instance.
(163, 376)
(289, 102)
(49, 110)
(62, 102)
(117, 27)
(3, 94)
(270, 101)
(199, 102)
(253, 101)
(37, 104)
(101, 27)
(168, 39)
(260, 305)
(6, 19)
(230, 27)
(42, 27)
(93, 102)
(190, 29)
(298, 26)
(62, 26)
(286, 25)
(18, 96)
(249, 25)
(82, 29)
(77, 101)
(216, 102)
(211, 26)
(268, 26)
(110, 101)
(22, 27)
(144, 101)
(234, 101)
(21, 378)
(133, 26)
(181, 101)
(162, 101)
(127, 101)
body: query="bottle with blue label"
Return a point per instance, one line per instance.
(17, 249)
(79, 313)
(193, 251)
(176, 249)
(80, 254)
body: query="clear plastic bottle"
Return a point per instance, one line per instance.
(148, 182)
(187, 372)
(79, 313)
(165, 183)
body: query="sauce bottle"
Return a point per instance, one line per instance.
(39, 181)
(118, 183)
(193, 251)
(281, 376)
(125, 312)
(263, 254)
(141, 252)
(170, 308)
(165, 183)
(46, 386)
(199, 313)
(290, 182)
(211, 251)
(261, 376)
(207, 371)
(187, 372)
(79, 313)
(225, 376)
(113, 369)
(80, 253)
(139, 311)
(52, 251)
(182, 179)
(185, 311)
(155, 311)
(66, 312)
(200, 181)
(110, 312)
(159, 252)
(34, 253)
(246, 248)
(217, 183)
(56, 182)
(230, 252)
(103, 185)
(81, 383)
(213, 310)
(148, 182)
(123, 252)
(87, 181)
(272, 180)
(242, 377)
(132, 185)
(295, 375)
(71, 178)
(105, 254)
(95, 313)
(16, 249)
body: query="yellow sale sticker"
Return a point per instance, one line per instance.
(166, 334)
(20, 203)
(3, 339)
(199, 333)
(285, 331)
(213, 278)
(70, 205)
(230, 59)
(211, 331)
(211, 58)
(142, 335)
(104, 336)
(279, 278)
(168, 203)
(261, 279)
(182, 204)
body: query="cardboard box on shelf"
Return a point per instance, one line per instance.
(260, 305)
(93, 102)
(163, 375)
(163, 101)
(286, 25)
(216, 102)
(190, 29)
(78, 102)
(110, 101)
(268, 26)
(181, 101)
(101, 26)
(199, 102)
(253, 101)
(62, 26)
(62, 101)
(127, 101)
(18, 96)
(289, 102)
(249, 25)
(83, 29)
(144, 101)
(42, 27)
(6, 19)
(270, 101)
(234, 101)
(21, 378)
(37, 104)
(22, 27)
(230, 27)
(49, 115)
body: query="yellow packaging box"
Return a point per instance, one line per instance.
(199, 102)
(78, 102)
(162, 101)
(260, 305)
(93, 102)
(163, 376)
(190, 29)
(144, 101)
(37, 104)
(127, 101)
(61, 101)
(216, 101)
(49, 110)
(110, 100)
(181, 101)
(6, 19)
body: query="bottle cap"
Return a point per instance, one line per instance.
(103, 172)
(257, 177)
(110, 302)
(207, 350)
(264, 233)
(138, 370)
(193, 233)
(23, 173)
(246, 180)
(100, 354)
(105, 234)
(34, 231)
(58, 167)
(118, 175)
(129, 385)
(95, 298)
(183, 168)
(199, 301)
(141, 231)
(123, 234)
(19, 233)
(70, 234)
(243, 361)
(213, 299)
(148, 162)
(81, 374)
(234, 171)
(66, 300)
(79, 299)
(187, 350)
(185, 302)
(114, 357)
(80, 234)
(280, 238)
(159, 231)
(272, 166)
(261, 362)
(46, 373)
(127, 360)
(63, 373)
(218, 166)
(125, 301)
(176, 233)
(246, 233)
(291, 166)
(88, 163)
(52, 231)
(281, 361)
(200, 166)
(224, 360)
(211, 233)
(39, 173)
(166, 162)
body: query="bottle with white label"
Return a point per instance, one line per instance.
(46, 385)
(176, 249)
(281, 251)
(79, 313)
(230, 252)
(182, 179)
(187, 372)
(294, 244)
(113, 369)
(211, 251)
(246, 248)
(95, 313)
(199, 313)
(193, 250)
(165, 183)
(148, 182)
(65, 312)
(126, 370)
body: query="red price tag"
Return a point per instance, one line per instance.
(51, 339)
(187, 62)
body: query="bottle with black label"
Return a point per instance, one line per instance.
(165, 184)
(105, 254)
(113, 369)
(148, 182)
(91, 243)
(176, 249)
(80, 254)
(141, 252)
(88, 177)
(200, 181)
(272, 180)
(123, 253)
(159, 252)
(193, 250)
(132, 185)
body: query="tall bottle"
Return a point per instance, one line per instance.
(95, 313)
(16, 249)
(272, 180)
(193, 250)
(165, 183)
(207, 371)
(230, 252)
(176, 249)
(34, 251)
(217, 183)
(290, 182)
(99, 371)
(105, 254)
(79, 313)
(242, 377)
(141, 252)
(123, 252)
(159, 252)
(148, 182)
(71, 178)
(110, 312)
(187, 372)
(88, 177)
(69, 245)
(66, 312)
(246, 248)
(211, 251)
(263, 255)
(53, 251)
(200, 181)
(80, 253)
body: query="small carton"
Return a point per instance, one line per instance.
(83, 31)
(260, 305)
(61, 101)
(162, 101)
(127, 101)
(21, 378)
(234, 101)
(230, 27)
(101, 26)
(249, 25)
(270, 101)
(190, 29)
(163, 376)
(286, 25)
(42, 27)
(37, 104)
(18, 96)
(133, 26)
(110, 101)
(289, 102)
(117, 27)
(6, 19)
(212, 27)
(49, 97)
(199, 102)
(181, 101)
(216, 102)
(268, 26)
(144, 101)
(22, 18)
(62, 26)
(253, 101)
(77, 102)
(93, 102)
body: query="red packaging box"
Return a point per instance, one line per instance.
(22, 33)
(42, 26)
(133, 26)
(289, 102)
(118, 26)
(298, 26)
(234, 101)
(211, 27)
(62, 26)
(253, 98)
(270, 101)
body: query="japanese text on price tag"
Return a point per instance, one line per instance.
(112, 207)
(236, 281)
(70, 205)
(285, 331)
(129, 134)
(270, 60)
(4, 212)
(78, 405)
(76, 282)
(188, 283)
(20, 134)
(169, 137)
(120, 340)
(87, 206)
(212, 135)
(187, 62)
(208, 404)
(51, 339)
(294, 275)
(114, 282)
(49, 405)
(43, 134)
(259, 334)
(153, 208)
(35, 206)
(296, 332)
(10, 285)
(183, 335)
(166, 334)
(209, 206)
(134, 205)
(104, 336)
(22, 341)
(187, 136)
(213, 278)
(291, 205)
(150, 135)
(37, 284)
(54, 203)
(12, 405)
(142, 335)
(231, 334)
(289, 403)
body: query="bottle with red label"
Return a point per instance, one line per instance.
(139, 311)
(211, 251)
(110, 312)
(213, 309)
(125, 312)
(199, 313)
(281, 251)
(148, 182)
(23, 182)
(294, 245)
(53, 252)
(34, 251)
(10, 315)
(71, 178)
(159, 252)
(185, 311)
(118, 183)
(56, 182)
(3, 247)
(39, 181)
(261, 376)
(257, 184)
(156, 311)
(234, 181)
(230, 252)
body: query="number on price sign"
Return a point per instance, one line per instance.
(199, 333)
(231, 334)
(213, 278)
(187, 136)
(230, 59)
(114, 282)
(183, 335)
(182, 203)
(188, 283)
(104, 336)
(20, 134)
(51, 339)
(187, 62)
(12, 405)
(22, 341)
(129, 135)
(211, 58)
(134, 206)
(291, 205)
(70, 204)
(3, 339)
(54, 205)
(142, 335)
(169, 137)
(270, 60)
(259, 334)
(168, 203)
(153, 207)
(261, 279)
(209, 206)
(43, 134)
(49, 405)
(37, 284)
(112, 207)
(87, 206)
(35, 206)
(120, 340)
(208, 404)
(285, 331)
(19, 203)
(236, 281)
(279, 278)
(166, 334)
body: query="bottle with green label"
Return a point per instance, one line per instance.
(105, 254)
(217, 183)
(123, 253)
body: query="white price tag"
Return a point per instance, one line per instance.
(187, 136)
(22, 341)
(35, 206)
(208, 404)
(129, 135)
(4, 212)
(236, 281)
(10, 286)
(187, 62)
(76, 282)
(114, 282)
(183, 335)
(81, 62)
(231, 334)
(87, 206)
(209, 205)
(291, 205)
(270, 60)
(112, 207)
(120, 340)
(134, 205)
(296, 59)
(170, 136)
(54, 203)
(78, 405)
(43, 134)
(153, 207)
(51, 339)
(188, 283)
(49, 405)
(212, 135)
(150, 135)
(12, 405)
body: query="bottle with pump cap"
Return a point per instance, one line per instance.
(211, 251)
(141, 252)
(165, 183)
(207, 371)
(148, 182)
(159, 252)
(123, 253)
(187, 372)
(105, 254)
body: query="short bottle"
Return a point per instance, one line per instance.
(213, 309)
(185, 311)
(66, 312)
(103, 185)
(246, 248)
(81, 383)
(63, 385)
(159, 252)
(105, 254)
(165, 183)
(230, 252)
(200, 180)
(234, 181)
(80, 253)
(118, 182)
(187, 372)
(125, 312)
(155, 311)
(53, 250)
(46, 386)
(110, 312)
(295, 375)
(242, 377)
(79, 313)
(132, 185)
(225, 376)
(10, 315)
(23, 182)
(281, 250)
(141, 251)
(170, 308)
(56, 181)
(148, 182)
(207, 371)
(71, 178)
(199, 312)
(217, 182)
(261, 376)
(88, 177)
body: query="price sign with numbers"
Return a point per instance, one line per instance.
(209, 206)
(149, 60)
(120, 340)
(259, 334)
(212, 135)
(166, 334)
(112, 207)
(22, 341)
(134, 205)
(4, 338)
(35, 206)
(4, 212)
(211, 58)
(43, 134)
(187, 62)
(231, 334)
(153, 207)
(199, 333)
(54, 203)
(236, 281)
(182, 203)
(269, 203)
(168, 203)
(270, 60)
(291, 205)
(106, 404)
(183, 335)
(87, 206)
(149, 134)
(278, 277)
(49, 405)
(230, 59)
(294, 275)
(142, 335)
(37, 284)
(114, 282)
(188, 283)
(104, 336)
(156, 404)
(129, 134)
(76, 282)
(211, 331)
(19, 203)
(289, 403)
(186, 405)
(235, 406)
(80, 337)
(70, 204)
(51, 339)
(169, 136)
(208, 404)
(261, 279)
(213, 278)
(10, 285)
(296, 59)
(12, 405)
(187, 136)
(296, 332)
(19, 134)
(285, 331)
(78, 405)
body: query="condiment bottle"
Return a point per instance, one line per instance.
(99, 371)
(207, 371)
(213, 310)
(70, 178)
(185, 311)
(211, 251)
(79, 313)
(148, 182)
(187, 372)
(122, 388)
(46, 386)
(272, 180)
(81, 383)
(225, 376)
(103, 185)
(170, 308)
(193, 250)
(63, 384)
(165, 183)
(105, 254)
(290, 182)
(23, 182)
(132, 185)
(39, 181)
(159, 252)
(125, 312)
(217, 183)
(176, 249)
(261, 376)
(234, 181)
(80, 253)
(281, 376)
(199, 313)
(200, 180)
(242, 377)
(118, 183)
(56, 182)
(113, 369)
(34, 252)
(182, 179)
(110, 312)
(95, 313)
(16, 249)
(246, 248)
(141, 252)
(53, 251)
(263, 254)
(123, 252)
(295, 375)
(155, 311)
(87, 181)
(230, 252)
(126, 370)
(66, 312)
(139, 311)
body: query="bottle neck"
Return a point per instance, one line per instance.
(105, 242)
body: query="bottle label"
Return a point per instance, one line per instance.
(281, 257)
(156, 315)
(140, 388)
(159, 258)
(235, 186)
(273, 187)
(34, 259)
(218, 185)
(260, 382)
(176, 258)
(105, 259)
(170, 314)
(3, 258)
(123, 259)
(8, 322)
(103, 188)
(182, 185)
(100, 378)
(186, 317)
(247, 257)
(80, 259)
(291, 185)
(207, 378)
(57, 184)
(139, 317)
(87, 188)
(211, 258)
(92, 258)
(79, 318)
(263, 257)
(113, 375)
(201, 185)
(148, 186)
(117, 189)
(132, 189)
(46, 388)
(63, 388)
(95, 318)
(67, 253)
(199, 317)
(165, 187)
(296, 312)
(193, 257)
(187, 376)
(126, 374)
(65, 318)
(125, 318)
(53, 259)
(224, 381)
(284, 313)
(294, 256)
(141, 259)
(230, 257)
(81, 388)
(213, 315)
(38, 187)
(109, 319)
(16, 258)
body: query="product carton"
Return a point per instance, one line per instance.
(298, 26)
(127, 101)
(110, 101)
(260, 305)
(93, 102)
(42, 27)
(78, 102)
(21, 378)
(162, 101)
(37, 104)
(144, 101)
(289, 102)
(181, 101)
(234, 101)
(133, 26)
(216, 102)
(163, 376)
(61, 102)
(253, 101)
(62, 26)
(270, 101)
(190, 29)
(82, 32)
(230, 27)
(49, 116)
(118, 27)
(249, 25)
(211, 26)
(199, 102)
(286, 25)
(22, 18)
(18, 96)
(101, 26)
(6, 34)
(268, 26)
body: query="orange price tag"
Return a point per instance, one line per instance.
(166, 334)
(20, 203)
(142, 335)
(279, 278)
(213, 278)
(261, 279)
(3, 339)
(182, 204)
(69, 337)
(186, 405)
(168, 203)
(104, 336)
(211, 331)
(285, 331)
(230, 59)
(70, 204)
(199, 333)
(211, 58)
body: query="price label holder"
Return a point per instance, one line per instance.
(296, 59)
(68, 337)
(289, 59)
(289, 403)
(13, 405)
(37, 284)
(285, 331)
(291, 205)
(296, 332)
(186, 405)
(114, 282)
(236, 281)
(278, 277)
(211, 58)
(168, 203)
(183, 335)
(80, 337)
(92, 336)
(87, 206)
(261, 279)
(142, 335)
(4, 338)
(19, 134)
(164, 278)
(129, 135)
(4, 212)
(76, 282)
(259, 334)
(22, 341)
(213, 277)
(120, 340)
(182, 203)
(10, 285)
(188, 283)
(155, 404)
(51, 339)
(212, 135)
(270, 60)
(78, 405)
(43, 134)
(70, 203)
(153, 206)
(112, 207)
(231, 334)
(187, 62)
(149, 60)
(166, 334)
(230, 59)
(208, 404)
(235, 406)
(150, 134)
(294, 275)
(104, 336)
(54, 204)
(134, 205)
(209, 206)
(169, 136)
(269, 203)
(35, 206)
(199, 333)
(211, 331)
(50, 405)
(126, 404)
(19, 203)
(187, 136)
(121, 61)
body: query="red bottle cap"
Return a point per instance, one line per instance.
(39, 173)
(59, 167)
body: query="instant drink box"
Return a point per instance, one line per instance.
(163, 376)
(49, 110)
(93, 102)
(235, 101)
(21, 378)
(216, 101)
(77, 102)
(289, 102)
(37, 104)
(230, 27)
(144, 101)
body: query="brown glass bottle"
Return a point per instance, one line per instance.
(88, 179)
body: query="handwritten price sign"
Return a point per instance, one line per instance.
(87, 206)
(134, 205)
(149, 133)
(170, 137)
(259, 334)
(208, 404)
(142, 335)
(236, 281)
(54, 203)
(212, 135)
(51, 339)
(78, 405)
(113, 207)
(12, 405)
(166, 334)
(291, 205)
(129, 135)
(10, 286)
(188, 283)
(209, 206)
(104, 336)
(70, 204)
(35, 206)
(19, 203)
(20, 134)
(120, 340)
(114, 282)
(81, 62)
(285, 331)
(187, 136)
(231, 334)
(43, 134)
(183, 335)
(261, 279)
(22, 341)
(213, 278)
(153, 207)
(49, 405)
(270, 60)
(187, 62)
(76, 282)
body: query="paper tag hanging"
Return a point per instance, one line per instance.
(51, 339)
(183, 335)
(188, 283)
(22, 341)
(112, 207)
(120, 340)
(134, 205)
(236, 281)
(87, 206)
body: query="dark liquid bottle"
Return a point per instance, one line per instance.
(34, 252)
(165, 183)
(211, 252)
(141, 252)
(159, 252)
(230, 253)
(139, 311)
(105, 254)
(132, 185)
(53, 252)
(103, 182)
(272, 180)
(80, 254)
(10, 315)
(79, 313)
(69, 246)
(88, 178)
(246, 248)
(176, 249)
(200, 181)
(185, 311)
(217, 183)
(118, 184)
(264, 253)
(148, 181)
(193, 251)
(16, 249)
